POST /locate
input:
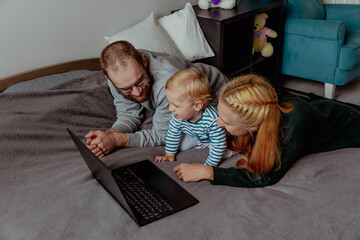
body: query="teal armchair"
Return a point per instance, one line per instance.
(321, 42)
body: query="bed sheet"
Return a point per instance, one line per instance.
(47, 191)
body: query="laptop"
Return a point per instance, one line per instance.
(144, 191)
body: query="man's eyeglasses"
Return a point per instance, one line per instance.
(127, 91)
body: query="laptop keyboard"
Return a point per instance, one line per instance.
(146, 202)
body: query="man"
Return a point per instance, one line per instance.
(136, 85)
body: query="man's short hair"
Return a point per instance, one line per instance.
(116, 55)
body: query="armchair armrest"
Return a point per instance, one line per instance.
(348, 13)
(323, 29)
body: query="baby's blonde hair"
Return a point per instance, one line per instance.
(193, 83)
(255, 102)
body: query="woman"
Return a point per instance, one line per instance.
(270, 136)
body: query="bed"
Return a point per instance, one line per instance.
(47, 191)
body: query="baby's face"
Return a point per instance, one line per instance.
(183, 107)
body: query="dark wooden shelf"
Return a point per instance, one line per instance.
(230, 35)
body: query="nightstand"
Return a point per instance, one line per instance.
(230, 35)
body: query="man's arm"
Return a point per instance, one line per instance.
(129, 114)
(155, 136)
(129, 118)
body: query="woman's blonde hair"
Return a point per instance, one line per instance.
(254, 102)
(193, 83)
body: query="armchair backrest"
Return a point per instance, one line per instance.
(309, 9)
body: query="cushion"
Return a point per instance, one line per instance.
(350, 52)
(310, 9)
(184, 29)
(147, 35)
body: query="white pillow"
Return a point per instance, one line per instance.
(184, 29)
(147, 35)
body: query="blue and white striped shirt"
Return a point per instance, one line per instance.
(204, 130)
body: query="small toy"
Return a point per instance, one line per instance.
(260, 36)
(225, 4)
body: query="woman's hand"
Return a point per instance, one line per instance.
(192, 172)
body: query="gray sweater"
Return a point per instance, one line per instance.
(130, 115)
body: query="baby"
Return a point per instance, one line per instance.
(188, 93)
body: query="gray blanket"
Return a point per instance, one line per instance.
(47, 191)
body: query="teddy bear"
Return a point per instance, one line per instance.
(260, 36)
(225, 4)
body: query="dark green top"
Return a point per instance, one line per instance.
(317, 126)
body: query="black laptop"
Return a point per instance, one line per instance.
(142, 189)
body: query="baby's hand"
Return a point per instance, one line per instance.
(168, 157)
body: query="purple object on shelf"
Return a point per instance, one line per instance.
(215, 2)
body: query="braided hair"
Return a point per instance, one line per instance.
(255, 102)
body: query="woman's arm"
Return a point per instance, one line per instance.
(192, 172)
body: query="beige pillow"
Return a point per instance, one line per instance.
(147, 35)
(183, 28)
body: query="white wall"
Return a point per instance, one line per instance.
(36, 33)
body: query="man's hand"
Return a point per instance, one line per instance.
(168, 157)
(104, 142)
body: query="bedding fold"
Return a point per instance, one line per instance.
(47, 191)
